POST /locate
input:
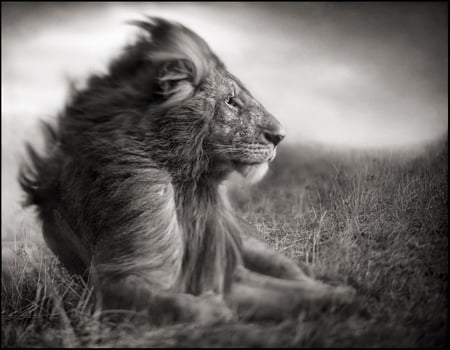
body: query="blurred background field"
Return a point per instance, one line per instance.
(359, 188)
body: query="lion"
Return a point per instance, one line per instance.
(131, 189)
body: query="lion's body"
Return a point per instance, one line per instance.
(130, 187)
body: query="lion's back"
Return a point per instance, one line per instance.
(86, 208)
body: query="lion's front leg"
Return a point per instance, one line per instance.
(257, 296)
(260, 258)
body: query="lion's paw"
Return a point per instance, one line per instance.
(210, 308)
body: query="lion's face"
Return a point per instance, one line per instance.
(241, 132)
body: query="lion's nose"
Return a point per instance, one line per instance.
(275, 136)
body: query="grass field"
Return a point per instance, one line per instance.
(375, 220)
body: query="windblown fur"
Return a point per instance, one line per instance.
(131, 180)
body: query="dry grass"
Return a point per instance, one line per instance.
(375, 221)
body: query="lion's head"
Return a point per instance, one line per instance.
(170, 91)
(242, 133)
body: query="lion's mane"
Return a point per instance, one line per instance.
(125, 165)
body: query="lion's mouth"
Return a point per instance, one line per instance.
(239, 163)
(273, 155)
(261, 158)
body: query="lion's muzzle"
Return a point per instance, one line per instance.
(272, 131)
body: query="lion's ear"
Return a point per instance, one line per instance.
(176, 79)
(182, 57)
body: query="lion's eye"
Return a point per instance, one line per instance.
(232, 102)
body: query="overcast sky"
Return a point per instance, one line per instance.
(361, 74)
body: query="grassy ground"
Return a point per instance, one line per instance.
(377, 221)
